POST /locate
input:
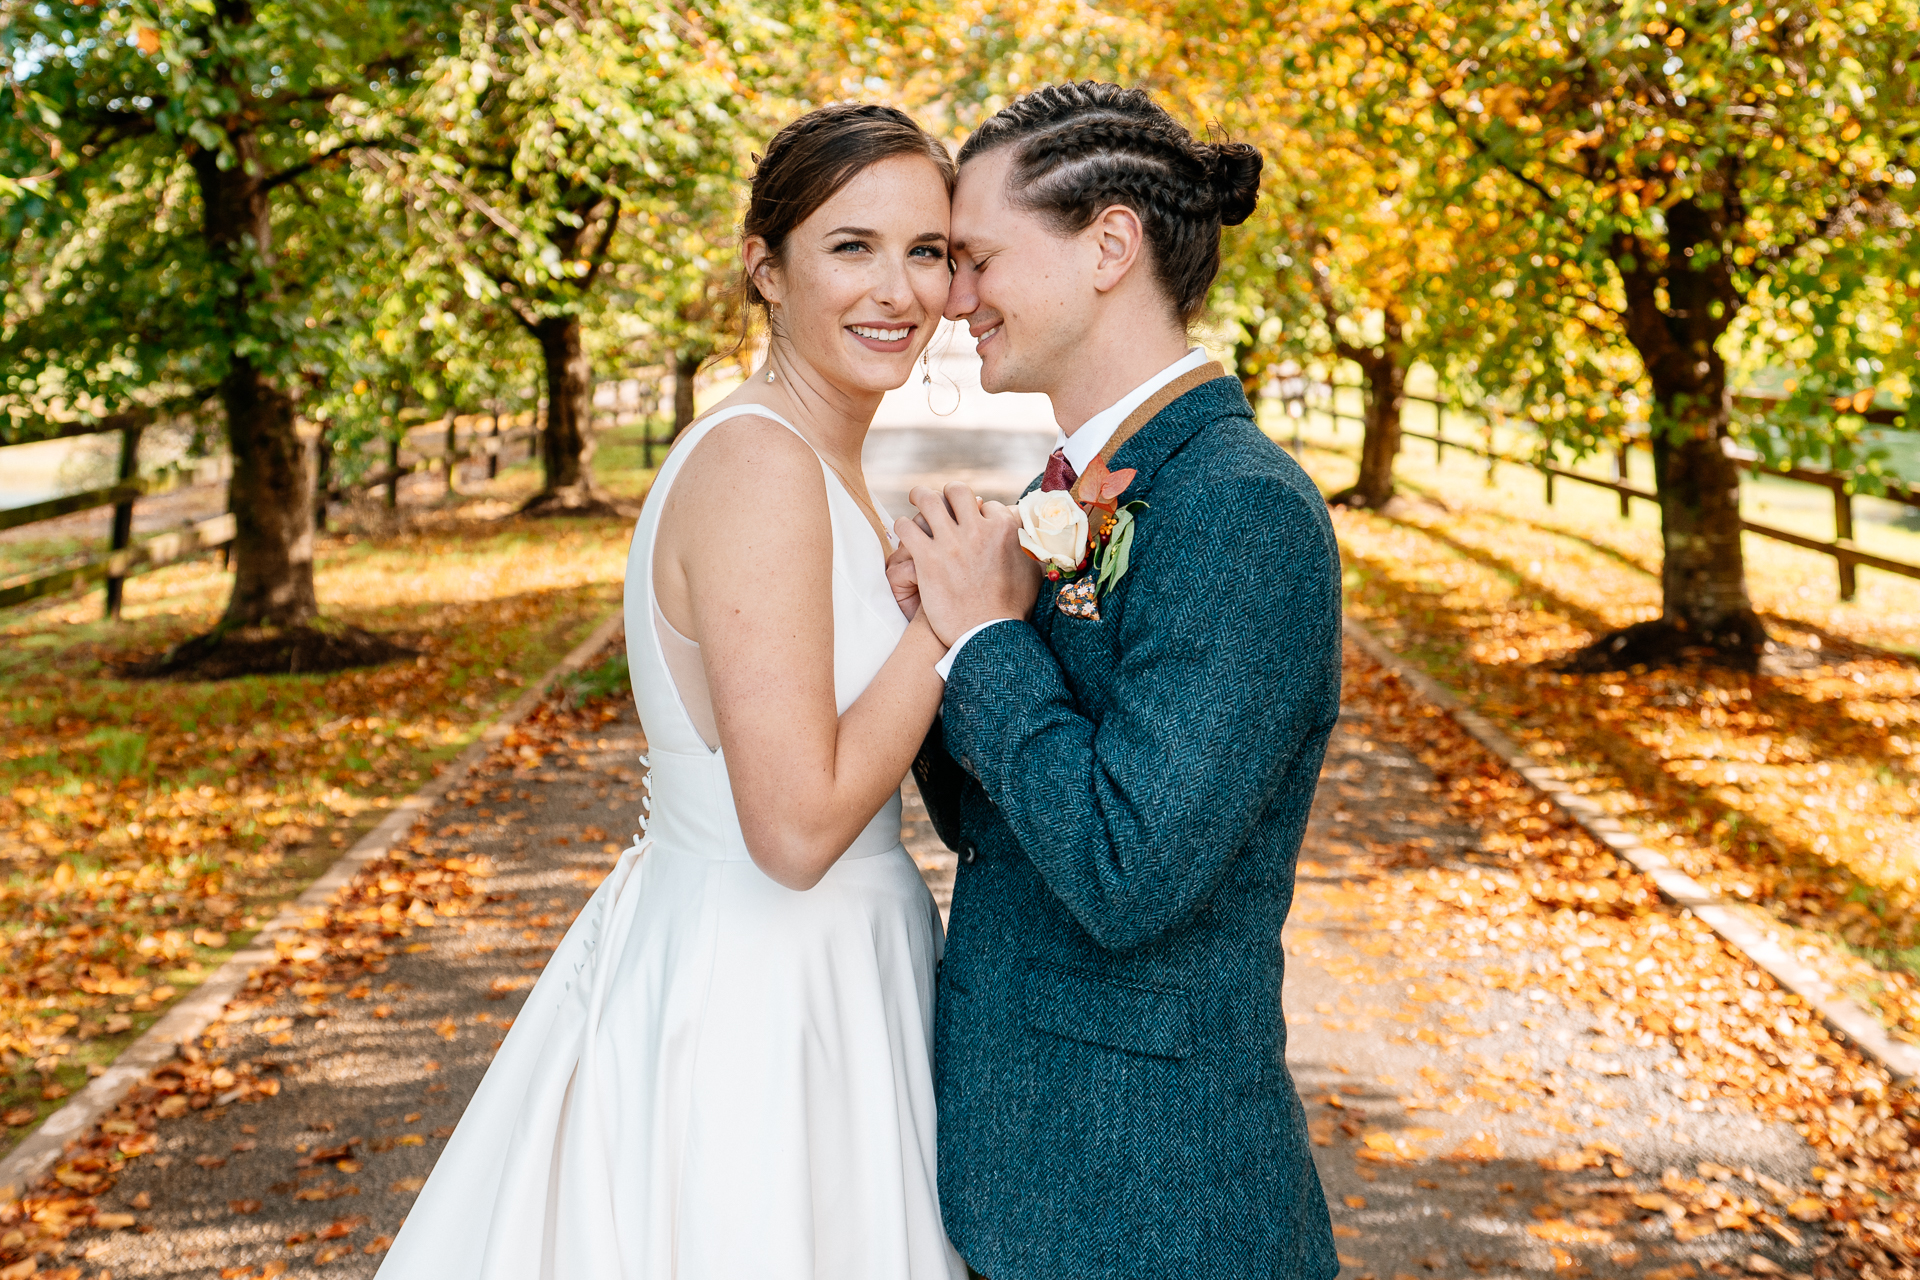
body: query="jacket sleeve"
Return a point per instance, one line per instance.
(942, 786)
(1229, 665)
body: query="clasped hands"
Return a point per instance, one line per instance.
(960, 560)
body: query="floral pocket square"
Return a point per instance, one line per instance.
(1080, 599)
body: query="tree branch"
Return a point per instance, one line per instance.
(293, 172)
(600, 251)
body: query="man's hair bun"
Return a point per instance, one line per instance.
(1233, 169)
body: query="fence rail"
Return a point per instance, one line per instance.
(1848, 556)
(461, 441)
(123, 557)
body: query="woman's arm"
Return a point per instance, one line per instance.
(745, 556)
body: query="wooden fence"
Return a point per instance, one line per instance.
(123, 558)
(1847, 554)
(461, 438)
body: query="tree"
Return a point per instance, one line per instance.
(551, 127)
(1703, 182)
(1360, 250)
(175, 193)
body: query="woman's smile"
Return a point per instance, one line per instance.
(883, 338)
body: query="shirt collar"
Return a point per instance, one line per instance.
(1084, 445)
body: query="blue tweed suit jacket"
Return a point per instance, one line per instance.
(1127, 797)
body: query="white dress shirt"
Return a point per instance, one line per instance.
(1083, 446)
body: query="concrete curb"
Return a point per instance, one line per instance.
(1841, 1013)
(29, 1161)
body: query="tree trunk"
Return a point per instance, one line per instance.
(1386, 376)
(1676, 312)
(1703, 575)
(272, 505)
(566, 440)
(272, 487)
(1250, 367)
(686, 365)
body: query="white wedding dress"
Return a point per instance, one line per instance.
(716, 1078)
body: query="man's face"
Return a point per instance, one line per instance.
(1025, 291)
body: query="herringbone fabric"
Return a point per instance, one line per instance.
(1128, 796)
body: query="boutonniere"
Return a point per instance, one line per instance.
(1082, 536)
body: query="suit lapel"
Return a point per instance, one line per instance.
(1150, 407)
(1211, 396)
(1150, 435)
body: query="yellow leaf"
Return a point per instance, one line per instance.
(148, 39)
(1563, 1232)
(1807, 1209)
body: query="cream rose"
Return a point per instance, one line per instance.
(1053, 528)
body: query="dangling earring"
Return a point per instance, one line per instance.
(769, 375)
(926, 369)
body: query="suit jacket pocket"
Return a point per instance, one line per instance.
(1154, 1021)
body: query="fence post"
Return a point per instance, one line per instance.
(1439, 436)
(122, 535)
(1493, 463)
(393, 471)
(453, 455)
(1843, 532)
(493, 454)
(1548, 475)
(1620, 475)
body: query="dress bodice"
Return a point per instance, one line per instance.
(692, 798)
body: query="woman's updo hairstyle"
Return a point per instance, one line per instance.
(1081, 148)
(808, 162)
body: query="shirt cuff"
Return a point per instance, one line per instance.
(944, 667)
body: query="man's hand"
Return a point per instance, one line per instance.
(967, 560)
(904, 581)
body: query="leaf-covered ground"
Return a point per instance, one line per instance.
(291, 1142)
(1797, 789)
(146, 829)
(1536, 908)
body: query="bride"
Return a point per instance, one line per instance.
(723, 1073)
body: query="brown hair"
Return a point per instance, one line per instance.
(808, 162)
(1084, 147)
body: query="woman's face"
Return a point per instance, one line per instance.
(862, 282)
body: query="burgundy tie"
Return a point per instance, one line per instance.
(1060, 473)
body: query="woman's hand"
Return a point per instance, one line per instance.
(905, 581)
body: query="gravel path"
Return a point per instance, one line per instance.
(1460, 1130)
(1467, 1129)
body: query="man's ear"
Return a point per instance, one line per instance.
(1120, 238)
(761, 267)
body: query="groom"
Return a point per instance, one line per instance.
(1127, 793)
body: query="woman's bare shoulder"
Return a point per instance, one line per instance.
(753, 466)
(750, 449)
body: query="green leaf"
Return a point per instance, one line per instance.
(1113, 562)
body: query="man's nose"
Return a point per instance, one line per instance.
(962, 299)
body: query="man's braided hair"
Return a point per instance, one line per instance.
(1082, 148)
